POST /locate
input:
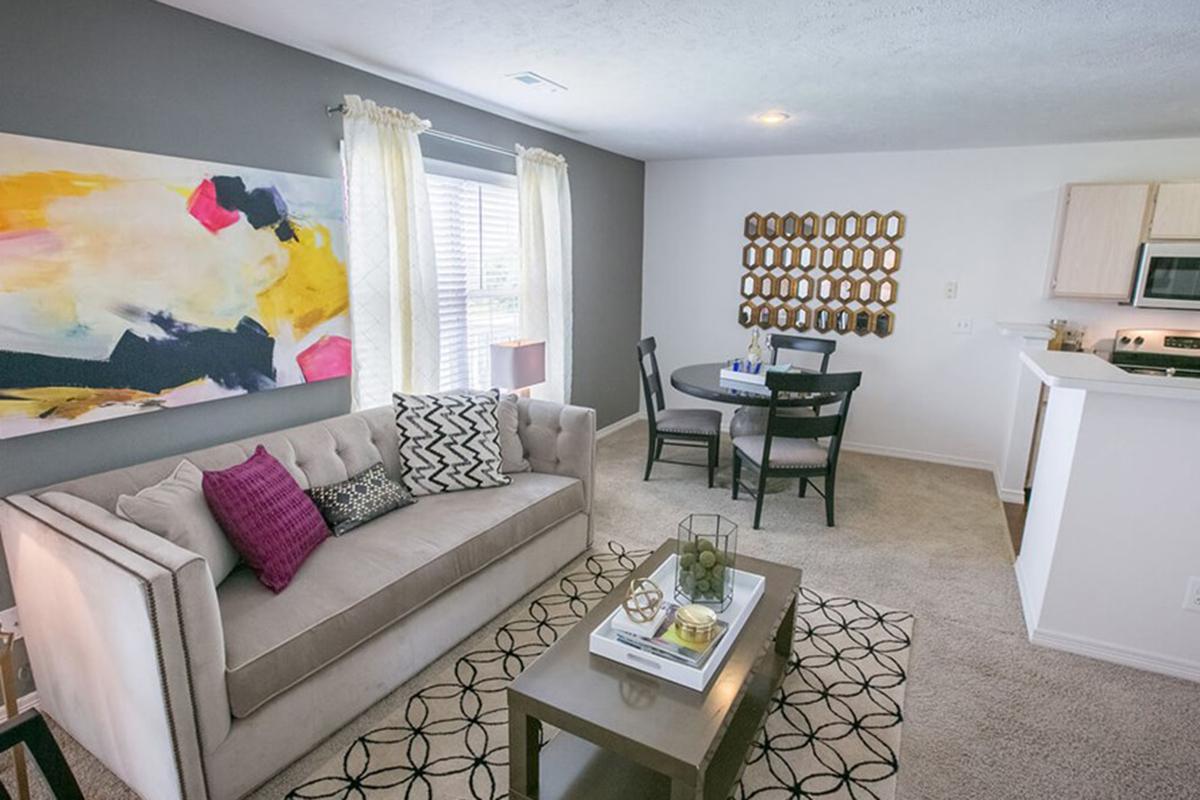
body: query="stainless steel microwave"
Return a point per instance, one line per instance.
(1168, 276)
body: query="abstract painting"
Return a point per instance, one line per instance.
(131, 282)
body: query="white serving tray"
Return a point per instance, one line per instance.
(747, 591)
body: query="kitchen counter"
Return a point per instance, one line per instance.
(1063, 370)
(1110, 545)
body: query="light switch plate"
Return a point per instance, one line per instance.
(1191, 601)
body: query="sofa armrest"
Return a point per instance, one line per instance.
(126, 646)
(561, 440)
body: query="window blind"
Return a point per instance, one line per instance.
(475, 227)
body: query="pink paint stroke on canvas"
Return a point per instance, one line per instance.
(204, 207)
(28, 243)
(328, 357)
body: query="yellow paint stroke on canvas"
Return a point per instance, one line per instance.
(311, 290)
(24, 197)
(70, 402)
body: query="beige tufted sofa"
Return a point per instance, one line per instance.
(190, 690)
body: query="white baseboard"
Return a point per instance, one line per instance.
(1116, 654)
(24, 703)
(1007, 495)
(918, 455)
(1011, 496)
(860, 447)
(609, 430)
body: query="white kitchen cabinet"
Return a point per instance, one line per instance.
(1176, 212)
(1102, 227)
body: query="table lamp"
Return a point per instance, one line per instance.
(518, 364)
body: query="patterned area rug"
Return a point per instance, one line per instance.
(833, 730)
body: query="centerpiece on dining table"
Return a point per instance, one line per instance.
(750, 373)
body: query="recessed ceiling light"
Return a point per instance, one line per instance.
(772, 117)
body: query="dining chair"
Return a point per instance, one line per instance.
(680, 427)
(750, 420)
(792, 446)
(808, 344)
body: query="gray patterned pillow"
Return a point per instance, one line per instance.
(449, 442)
(358, 499)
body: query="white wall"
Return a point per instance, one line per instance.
(985, 218)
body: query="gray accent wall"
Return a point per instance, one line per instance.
(142, 76)
(138, 75)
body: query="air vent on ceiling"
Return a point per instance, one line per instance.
(535, 81)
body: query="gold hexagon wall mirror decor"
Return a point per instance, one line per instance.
(791, 226)
(810, 223)
(753, 221)
(862, 322)
(834, 271)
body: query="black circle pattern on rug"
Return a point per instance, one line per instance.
(830, 732)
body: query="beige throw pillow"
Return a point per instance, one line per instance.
(176, 510)
(512, 449)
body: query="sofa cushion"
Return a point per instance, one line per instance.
(360, 498)
(355, 586)
(449, 442)
(176, 510)
(266, 515)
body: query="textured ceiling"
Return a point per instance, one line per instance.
(676, 80)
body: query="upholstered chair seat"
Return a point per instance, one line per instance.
(784, 452)
(698, 421)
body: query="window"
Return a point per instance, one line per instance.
(475, 238)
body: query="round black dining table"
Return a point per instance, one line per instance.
(704, 380)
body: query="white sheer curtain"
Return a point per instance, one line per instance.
(393, 274)
(544, 197)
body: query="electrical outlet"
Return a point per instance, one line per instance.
(951, 290)
(964, 326)
(1191, 601)
(10, 622)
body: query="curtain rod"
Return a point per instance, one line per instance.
(340, 108)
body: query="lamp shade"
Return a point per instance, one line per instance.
(517, 364)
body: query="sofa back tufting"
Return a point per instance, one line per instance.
(316, 454)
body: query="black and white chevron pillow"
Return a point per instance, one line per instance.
(449, 441)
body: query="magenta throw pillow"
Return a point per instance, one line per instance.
(266, 515)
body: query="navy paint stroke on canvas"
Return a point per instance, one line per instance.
(235, 359)
(262, 207)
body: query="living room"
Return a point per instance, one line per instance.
(571, 302)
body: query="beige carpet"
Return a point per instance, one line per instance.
(987, 714)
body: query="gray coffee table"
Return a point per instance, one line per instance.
(626, 734)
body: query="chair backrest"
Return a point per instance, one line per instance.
(651, 382)
(809, 344)
(839, 386)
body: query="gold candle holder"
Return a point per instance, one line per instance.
(696, 623)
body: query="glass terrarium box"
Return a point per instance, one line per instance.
(707, 550)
